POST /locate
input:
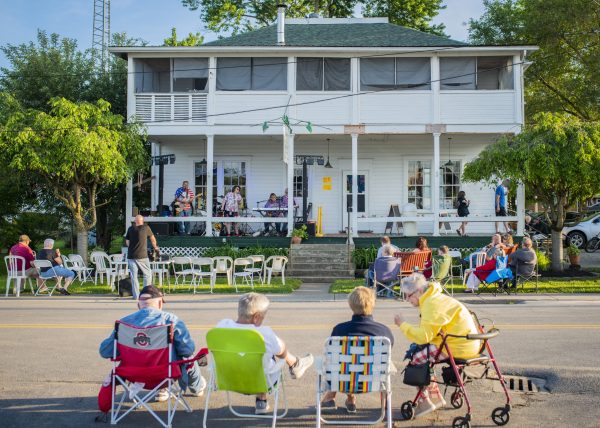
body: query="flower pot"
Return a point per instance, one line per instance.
(296, 240)
(574, 260)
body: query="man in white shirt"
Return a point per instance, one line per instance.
(252, 310)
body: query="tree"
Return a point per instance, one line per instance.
(245, 15)
(557, 158)
(564, 73)
(193, 39)
(73, 150)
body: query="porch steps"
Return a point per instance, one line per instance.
(320, 263)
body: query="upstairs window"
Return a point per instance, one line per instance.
(251, 74)
(323, 74)
(483, 73)
(378, 74)
(190, 74)
(153, 75)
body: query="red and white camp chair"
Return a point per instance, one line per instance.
(143, 365)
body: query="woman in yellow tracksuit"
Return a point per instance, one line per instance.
(439, 313)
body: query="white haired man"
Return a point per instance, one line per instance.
(252, 310)
(522, 262)
(57, 270)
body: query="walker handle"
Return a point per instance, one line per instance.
(484, 336)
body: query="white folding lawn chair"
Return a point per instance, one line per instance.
(475, 260)
(44, 286)
(102, 267)
(247, 276)
(224, 265)
(75, 263)
(456, 264)
(356, 365)
(182, 269)
(275, 264)
(15, 269)
(203, 267)
(258, 266)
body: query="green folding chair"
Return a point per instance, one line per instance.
(236, 365)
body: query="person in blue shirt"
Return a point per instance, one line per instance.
(500, 204)
(362, 302)
(150, 313)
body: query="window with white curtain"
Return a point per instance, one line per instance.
(322, 74)
(419, 183)
(481, 73)
(190, 74)
(494, 73)
(395, 73)
(252, 74)
(152, 75)
(449, 183)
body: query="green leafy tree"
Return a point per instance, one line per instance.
(557, 158)
(563, 76)
(73, 150)
(192, 39)
(244, 15)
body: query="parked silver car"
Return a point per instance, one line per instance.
(583, 231)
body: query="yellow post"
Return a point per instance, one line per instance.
(319, 231)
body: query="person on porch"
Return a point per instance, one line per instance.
(283, 203)
(231, 208)
(500, 204)
(272, 202)
(184, 197)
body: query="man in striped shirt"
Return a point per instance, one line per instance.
(184, 197)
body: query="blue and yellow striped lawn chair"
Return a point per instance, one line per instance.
(356, 365)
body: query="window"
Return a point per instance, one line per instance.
(491, 73)
(200, 173)
(449, 183)
(190, 74)
(298, 183)
(394, 73)
(419, 184)
(226, 174)
(323, 74)
(251, 74)
(234, 174)
(152, 75)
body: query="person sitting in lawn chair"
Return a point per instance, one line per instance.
(522, 262)
(495, 269)
(385, 271)
(252, 310)
(362, 303)
(150, 313)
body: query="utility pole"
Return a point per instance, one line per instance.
(101, 33)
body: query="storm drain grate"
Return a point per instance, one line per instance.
(525, 384)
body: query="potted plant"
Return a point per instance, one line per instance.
(299, 234)
(573, 253)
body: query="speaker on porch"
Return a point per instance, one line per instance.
(162, 229)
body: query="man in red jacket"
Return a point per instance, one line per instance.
(22, 249)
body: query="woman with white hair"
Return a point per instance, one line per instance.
(438, 313)
(57, 270)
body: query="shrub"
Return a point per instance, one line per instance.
(362, 257)
(543, 260)
(234, 252)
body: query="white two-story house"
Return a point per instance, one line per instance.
(395, 113)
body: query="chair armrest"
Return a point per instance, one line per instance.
(200, 357)
(319, 365)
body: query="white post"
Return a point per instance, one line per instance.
(354, 215)
(520, 209)
(435, 191)
(210, 139)
(290, 182)
(130, 87)
(128, 203)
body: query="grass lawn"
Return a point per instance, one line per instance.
(546, 285)
(221, 287)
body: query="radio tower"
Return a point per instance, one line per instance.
(101, 32)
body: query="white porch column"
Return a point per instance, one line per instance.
(520, 209)
(354, 215)
(130, 88)
(435, 191)
(290, 182)
(128, 203)
(210, 139)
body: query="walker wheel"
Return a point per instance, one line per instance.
(500, 416)
(407, 410)
(461, 422)
(456, 399)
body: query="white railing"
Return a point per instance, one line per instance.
(158, 108)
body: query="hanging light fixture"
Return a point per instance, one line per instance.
(203, 161)
(328, 165)
(449, 163)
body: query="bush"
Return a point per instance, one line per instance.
(362, 257)
(234, 252)
(543, 260)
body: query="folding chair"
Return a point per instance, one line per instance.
(15, 269)
(385, 278)
(522, 279)
(413, 262)
(199, 265)
(237, 366)
(497, 278)
(475, 260)
(182, 268)
(356, 365)
(247, 276)
(77, 265)
(258, 266)
(275, 264)
(456, 255)
(43, 264)
(143, 365)
(441, 272)
(102, 263)
(223, 264)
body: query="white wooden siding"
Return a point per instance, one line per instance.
(477, 107)
(333, 111)
(235, 102)
(396, 107)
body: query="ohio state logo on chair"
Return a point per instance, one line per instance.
(142, 340)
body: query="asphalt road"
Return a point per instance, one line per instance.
(51, 371)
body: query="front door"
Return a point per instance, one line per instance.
(362, 196)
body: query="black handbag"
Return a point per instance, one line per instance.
(418, 374)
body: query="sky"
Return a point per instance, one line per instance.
(150, 20)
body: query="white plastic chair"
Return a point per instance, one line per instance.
(102, 267)
(258, 266)
(43, 286)
(224, 264)
(203, 267)
(248, 277)
(275, 264)
(456, 257)
(356, 364)
(479, 261)
(14, 273)
(118, 264)
(182, 268)
(161, 270)
(75, 263)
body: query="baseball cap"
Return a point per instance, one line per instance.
(150, 292)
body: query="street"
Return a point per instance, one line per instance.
(51, 369)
